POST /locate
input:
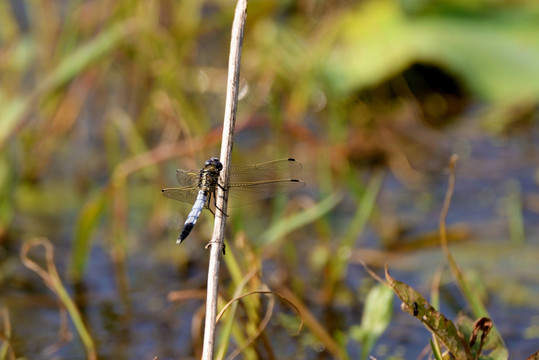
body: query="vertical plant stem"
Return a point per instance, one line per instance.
(217, 241)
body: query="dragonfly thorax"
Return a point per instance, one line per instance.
(209, 175)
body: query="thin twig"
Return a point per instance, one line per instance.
(226, 150)
(320, 332)
(263, 324)
(445, 208)
(443, 229)
(52, 280)
(476, 304)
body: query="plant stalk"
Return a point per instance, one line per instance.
(217, 241)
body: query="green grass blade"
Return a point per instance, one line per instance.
(96, 49)
(364, 210)
(84, 229)
(71, 66)
(285, 226)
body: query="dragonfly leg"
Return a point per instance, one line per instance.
(208, 202)
(215, 203)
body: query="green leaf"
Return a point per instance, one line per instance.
(495, 53)
(376, 317)
(436, 322)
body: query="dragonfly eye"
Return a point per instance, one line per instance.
(215, 162)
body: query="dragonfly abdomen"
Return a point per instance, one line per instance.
(193, 215)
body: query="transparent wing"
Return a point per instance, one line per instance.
(187, 177)
(188, 191)
(248, 183)
(240, 194)
(187, 194)
(272, 170)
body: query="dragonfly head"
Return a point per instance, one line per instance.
(215, 163)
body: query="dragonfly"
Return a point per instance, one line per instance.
(248, 184)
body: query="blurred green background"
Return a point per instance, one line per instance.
(100, 101)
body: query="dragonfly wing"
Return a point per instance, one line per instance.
(187, 194)
(277, 169)
(248, 183)
(240, 194)
(188, 177)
